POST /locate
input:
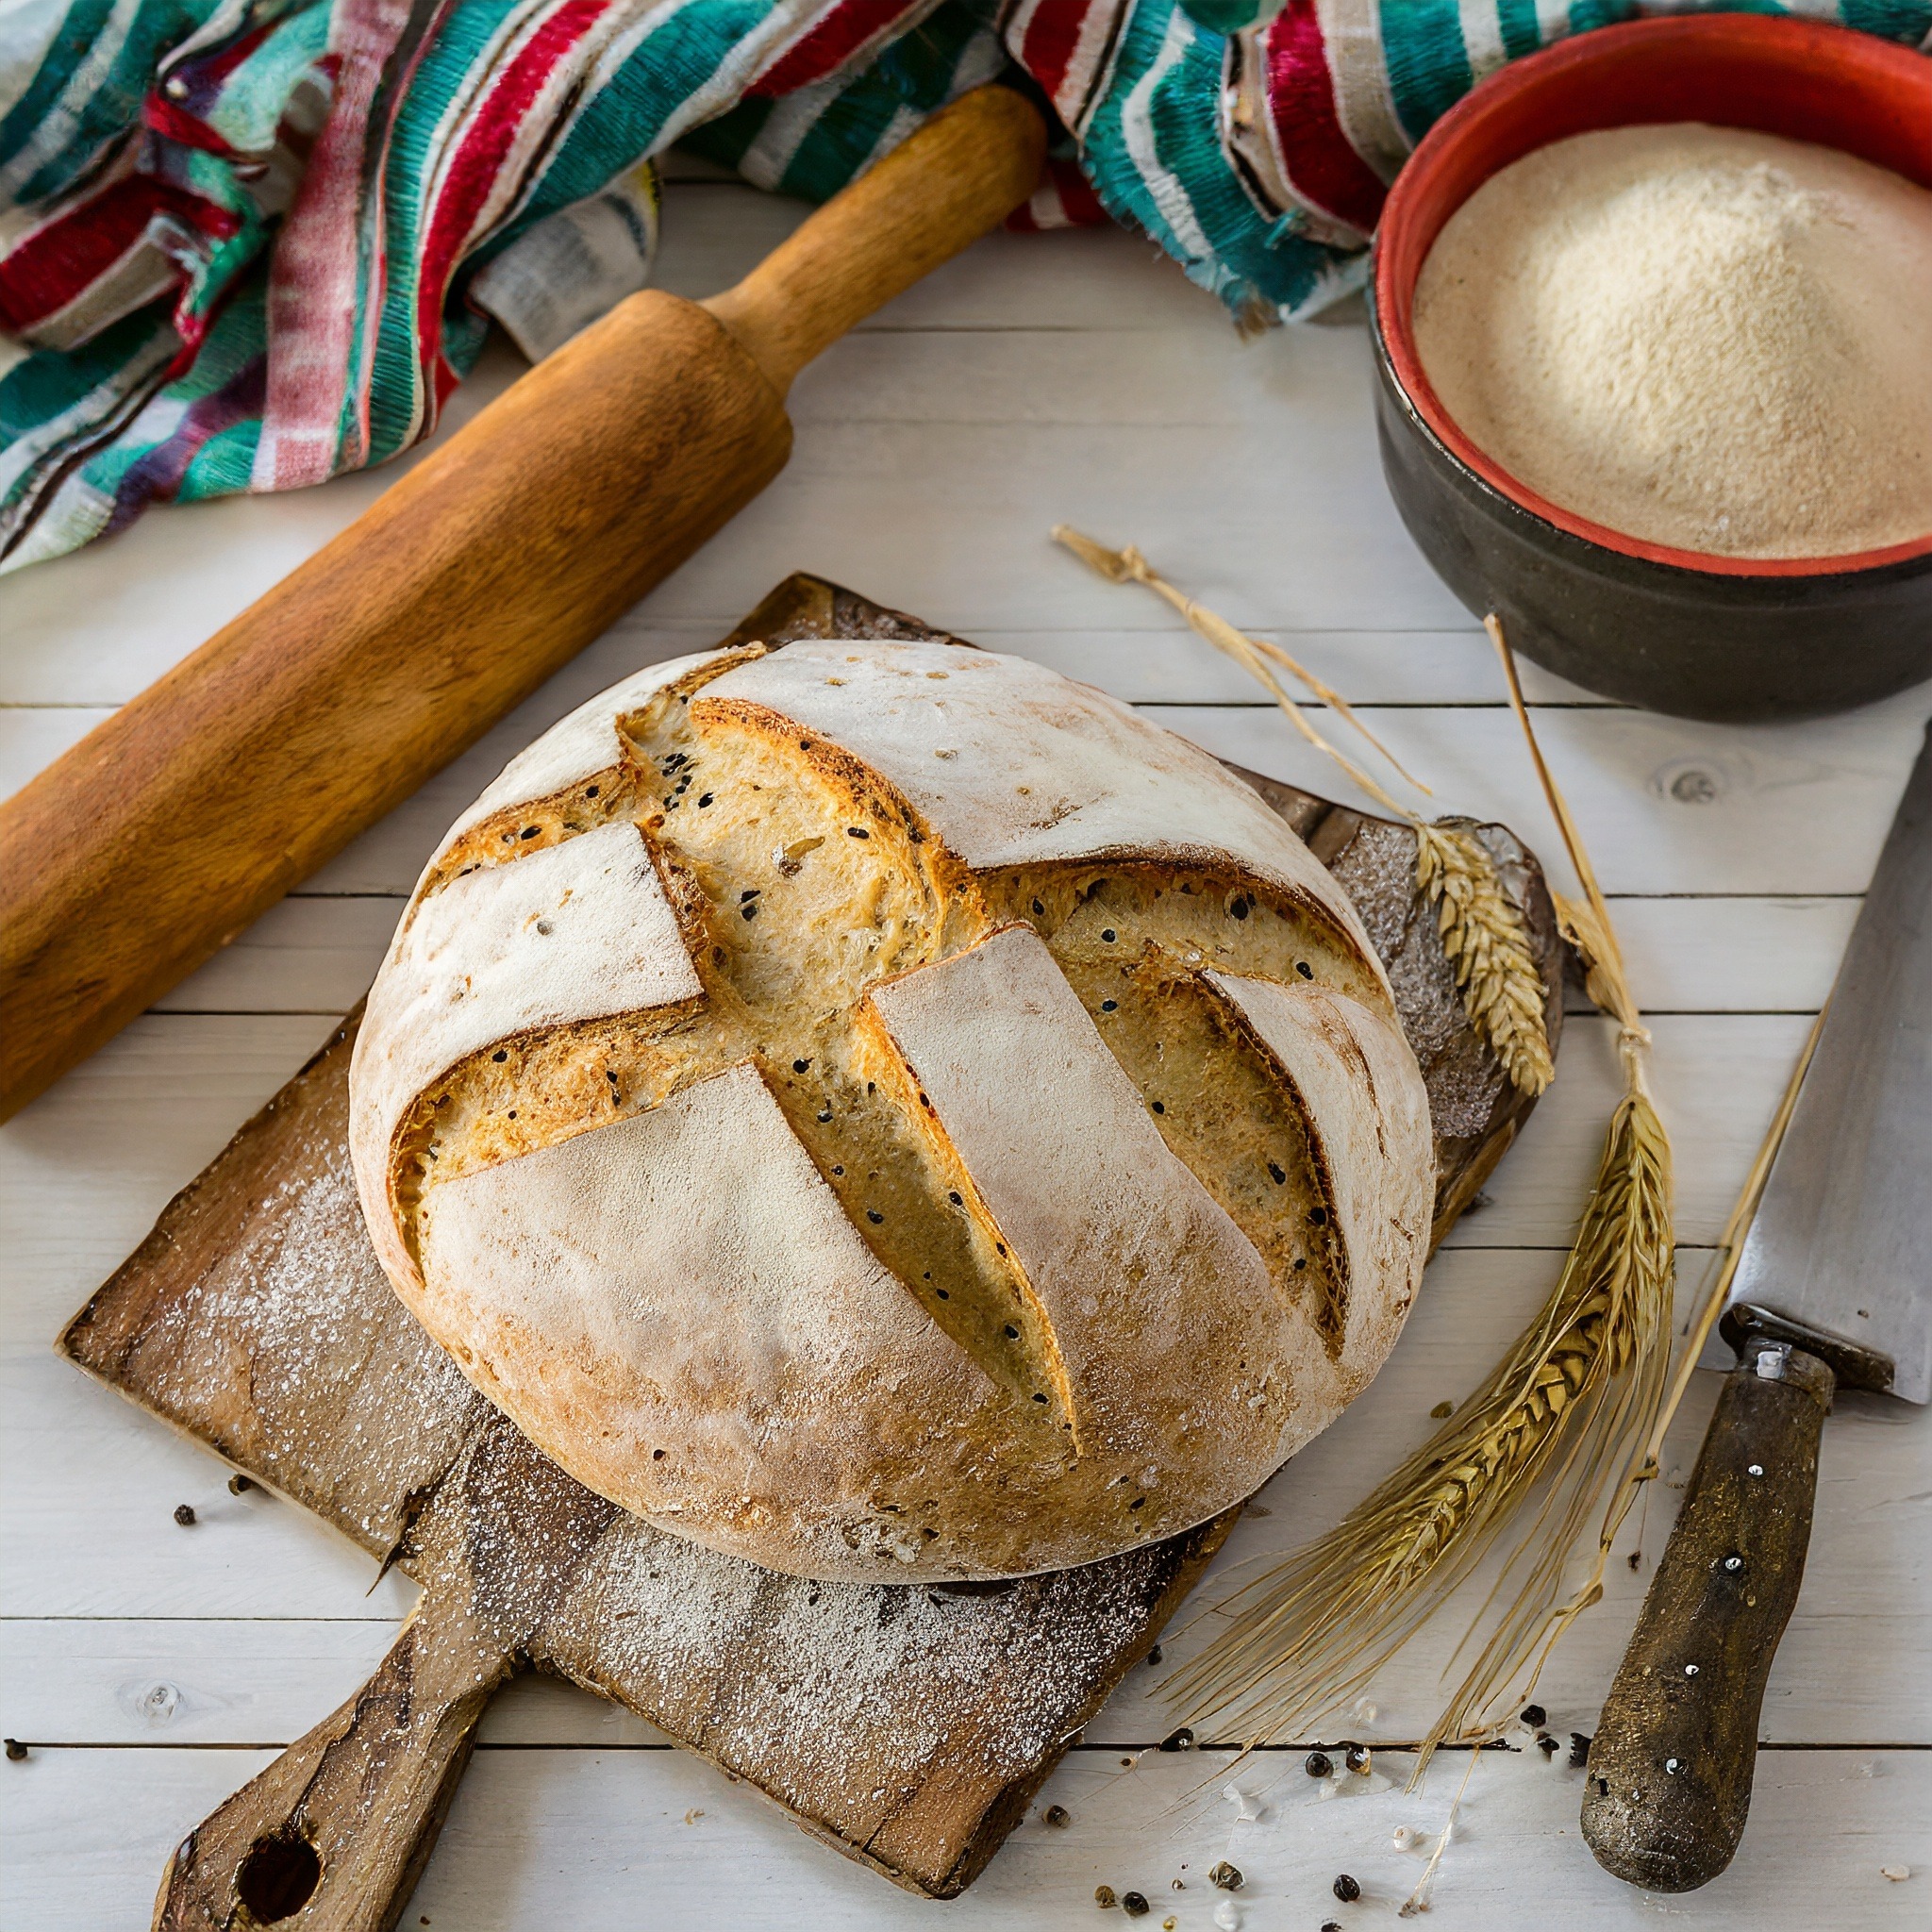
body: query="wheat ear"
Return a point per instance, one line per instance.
(1487, 941)
(1569, 1410)
(1482, 931)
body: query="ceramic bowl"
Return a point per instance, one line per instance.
(1675, 630)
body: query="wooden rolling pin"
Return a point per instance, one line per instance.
(194, 807)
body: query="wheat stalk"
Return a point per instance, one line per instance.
(1482, 928)
(1570, 1410)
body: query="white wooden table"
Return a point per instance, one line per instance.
(152, 1669)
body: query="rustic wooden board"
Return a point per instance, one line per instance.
(907, 1726)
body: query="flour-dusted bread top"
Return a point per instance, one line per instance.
(881, 1110)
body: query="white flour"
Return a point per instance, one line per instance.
(1709, 338)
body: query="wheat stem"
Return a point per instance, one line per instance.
(1571, 1409)
(1130, 567)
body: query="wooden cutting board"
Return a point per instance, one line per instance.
(908, 1726)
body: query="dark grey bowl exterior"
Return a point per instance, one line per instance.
(1733, 649)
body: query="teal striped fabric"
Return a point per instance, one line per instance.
(255, 242)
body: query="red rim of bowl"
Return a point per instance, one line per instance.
(1802, 78)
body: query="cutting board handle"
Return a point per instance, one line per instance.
(334, 1834)
(1669, 1785)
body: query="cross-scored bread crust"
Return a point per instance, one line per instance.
(881, 1108)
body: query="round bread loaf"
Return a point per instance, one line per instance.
(883, 1109)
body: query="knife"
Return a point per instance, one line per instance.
(1833, 1290)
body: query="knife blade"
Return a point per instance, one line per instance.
(1833, 1287)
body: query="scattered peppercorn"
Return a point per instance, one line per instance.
(1331, 1925)
(184, 1515)
(1104, 1898)
(1346, 1889)
(1109, 935)
(239, 1484)
(1442, 1409)
(1356, 1757)
(1057, 1814)
(1535, 1716)
(1306, 971)
(1547, 1744)
(857, 832)
(1636, 1560)
(1317, 1764)
(1579, 1748)
(1154, 1654)
(1182, 1739)
(1227, 1877)
(1134, 1905)
(15, 1749)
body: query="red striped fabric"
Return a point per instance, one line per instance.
(1315, 154)
(832, 39)
(55, 263)
(313, 313)
(1064, 199)
(178, 125)
(1063, 45)
(475, 168)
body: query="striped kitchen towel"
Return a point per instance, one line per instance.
(249, 245)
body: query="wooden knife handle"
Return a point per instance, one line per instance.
(333, 1835)
(195, 806)
(1668, 1788)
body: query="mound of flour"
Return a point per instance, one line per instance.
(1707, 338)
